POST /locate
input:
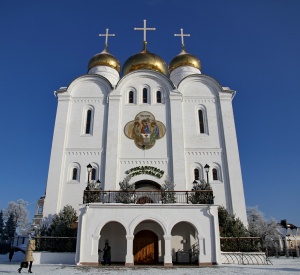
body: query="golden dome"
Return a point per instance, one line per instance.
(104, 59)
(145, 60)
(184, 59)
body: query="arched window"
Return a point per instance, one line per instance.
(130, 97)
(215, 174)
(201, 121)
(158, 96)
(145, 95)
(93, 176)
(88, 122)
(74, 174)
(196, 174)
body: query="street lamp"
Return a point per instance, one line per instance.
(206, 168)
(89, 169)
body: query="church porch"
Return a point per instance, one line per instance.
(148, 234)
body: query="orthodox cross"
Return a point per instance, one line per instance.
(106, 37)
(182, 35)
(144, 29)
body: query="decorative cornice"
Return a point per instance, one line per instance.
(143, 161)
(203, 152)
(83, 152)
(198, 100)
(87, 100)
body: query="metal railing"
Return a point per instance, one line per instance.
(240, 244)
(155, 197)
(55, 244)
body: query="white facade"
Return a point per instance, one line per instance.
(183, 142)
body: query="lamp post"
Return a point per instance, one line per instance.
(89, 169)
(206, 168)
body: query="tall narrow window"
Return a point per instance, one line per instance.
(158, 97)
(201, 121)
(145, 95)
(88, 122)
(74, 174)
(215, 174)
(130, 99)
(93, 177)
(196, 174)
(40, 209)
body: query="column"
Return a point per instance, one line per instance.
(129, 255)
(168, 255)
(201, 249)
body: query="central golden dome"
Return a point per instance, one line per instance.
(145, 60)
(104, 59)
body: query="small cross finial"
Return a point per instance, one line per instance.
(145, 29)
(182, 35)
(106, 37)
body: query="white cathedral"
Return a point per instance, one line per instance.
(146, 157)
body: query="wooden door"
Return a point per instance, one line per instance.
(145, 247)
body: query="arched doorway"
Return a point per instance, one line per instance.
(147, 191)
(147, 185)
(144, 200)
(145, 247)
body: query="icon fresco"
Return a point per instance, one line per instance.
(144, 130)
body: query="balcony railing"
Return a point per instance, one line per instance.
(155, 197)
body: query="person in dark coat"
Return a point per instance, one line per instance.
(106, 254)
(29, 255)
(11, 253)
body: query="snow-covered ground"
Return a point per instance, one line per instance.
(280, 266)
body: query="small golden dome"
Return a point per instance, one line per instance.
(104, 59)
(145, 60)
(184, 59)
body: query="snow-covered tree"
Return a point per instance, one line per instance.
(62, 224)
(205, 197)
(259, 226)
(168, 196)
(127, 191)
(10, 227)
(20, 212)
(229, 225)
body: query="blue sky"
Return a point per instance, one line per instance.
(252, 47)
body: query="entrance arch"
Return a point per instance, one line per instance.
(147, 191)
(145, 247)
(113, 233)
(147, 185)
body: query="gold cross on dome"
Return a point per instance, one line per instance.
(106, 37)
(145, 29)
(182, 35)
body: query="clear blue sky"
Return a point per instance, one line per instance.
(252, 47)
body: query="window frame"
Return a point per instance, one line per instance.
(145, 100)
(73, 166)
(131, 98)
(204, 123)
(196, 170)
(160, 97)
(86, 110)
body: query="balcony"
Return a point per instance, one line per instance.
(154, 197)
